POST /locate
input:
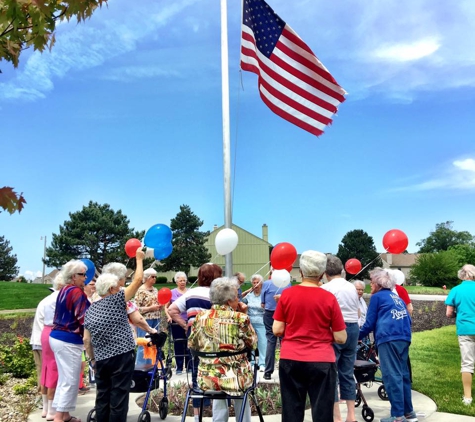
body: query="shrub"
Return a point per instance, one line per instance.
(435, 269)
(161, 280)
(17, 359)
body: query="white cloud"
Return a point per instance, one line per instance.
(407, 51)
(131, 73)
(28, 275)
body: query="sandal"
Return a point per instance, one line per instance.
(72, 419)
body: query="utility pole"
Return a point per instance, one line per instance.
(44, 257)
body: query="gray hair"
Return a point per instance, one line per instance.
(147, 273)
(334, 266)
(116, 268)
(72, 267)
(313, 263)
(223, 289)
(257, 276)
(467, 272)
(359, 282)
(105, 282)
(58, 281)
(382, 278)
(180, 274)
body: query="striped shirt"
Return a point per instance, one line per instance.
(194, 301)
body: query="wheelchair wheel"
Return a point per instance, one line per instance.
(357, 400)
(144, 416)
(91, 416)
(163, 408)
(382, 393)
(367, 413)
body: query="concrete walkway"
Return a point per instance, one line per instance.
(424, 407)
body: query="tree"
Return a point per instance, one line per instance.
(10, 200)
(443, 238)
(435, 269)
(463, 254)
(96, 232)
(8, 261)
(360, 245)
(29, 23)
(188, 243)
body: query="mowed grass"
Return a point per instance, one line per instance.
(435, 360)
(21, 295)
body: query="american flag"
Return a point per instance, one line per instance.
(292, 81)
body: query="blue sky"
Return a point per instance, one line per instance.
(126, 110)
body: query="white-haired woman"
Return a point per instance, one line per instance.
(252, 297)
(66, 338)
(135, 317)
(390, 321)
(226, 328)
(309, 320)
(461, 305)
(110, 344)
(146, 301)
(360, 286)
(182, 356)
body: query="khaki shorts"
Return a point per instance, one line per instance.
(467, 352)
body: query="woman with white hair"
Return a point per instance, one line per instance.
(182, 355)
(252, 297)
(146, 301)
(66, 338)
(461, 305)
(309, 320)
(110, 344)
(360, 286)
(390, 321)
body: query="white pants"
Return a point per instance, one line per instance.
(221, 411)
(68, 359)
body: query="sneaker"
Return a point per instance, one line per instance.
(262, 369)
(467, 401)
(393, 419)
(267, 376)
(179, 372)
(411, 417)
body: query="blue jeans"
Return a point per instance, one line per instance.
(139, 360)
(271, 342)
(393, 359)
(345, 360)
(260, 330)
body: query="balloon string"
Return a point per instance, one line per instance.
(366, 266)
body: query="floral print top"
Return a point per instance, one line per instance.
(222, 329)
(144, 298)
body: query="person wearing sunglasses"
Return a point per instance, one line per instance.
(66, 338)
(146, 301)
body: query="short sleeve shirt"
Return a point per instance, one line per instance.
(108, 324)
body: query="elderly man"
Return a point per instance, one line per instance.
(347, 298)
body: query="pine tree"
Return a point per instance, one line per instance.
(8, 261)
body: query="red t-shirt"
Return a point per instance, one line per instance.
(402, 293)
(311, 315)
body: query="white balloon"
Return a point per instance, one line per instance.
(397, 276)
(226, 241)
(280, 278)
(149, 253)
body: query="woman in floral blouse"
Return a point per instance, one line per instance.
(224, 327)
(146, 300)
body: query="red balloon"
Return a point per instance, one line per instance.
(283, 256)
(164, 295)
(289, 268)
(395, 241)
(353, 266)
(131, 247)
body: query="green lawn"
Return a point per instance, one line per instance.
(435, 360)
(21, 295)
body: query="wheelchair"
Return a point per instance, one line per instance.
(248, 394)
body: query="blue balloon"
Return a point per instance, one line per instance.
(157, 235)
(163, 251)
(91, 270)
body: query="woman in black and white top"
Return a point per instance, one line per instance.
(110, 344)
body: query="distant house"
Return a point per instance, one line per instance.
(403, 262)
(48, 278)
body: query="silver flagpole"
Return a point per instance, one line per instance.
(226, 130)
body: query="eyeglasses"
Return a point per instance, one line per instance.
(153, 276)
(81, 274)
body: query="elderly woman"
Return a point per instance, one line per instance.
(309, 320)
(49, 369)
(178, 332)
(360, 286)
(461, 305)
(110, 344)
(146, 301)
(389, 319)
(66, 338)
(252, 297)
(192, 302)
(224, 328)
